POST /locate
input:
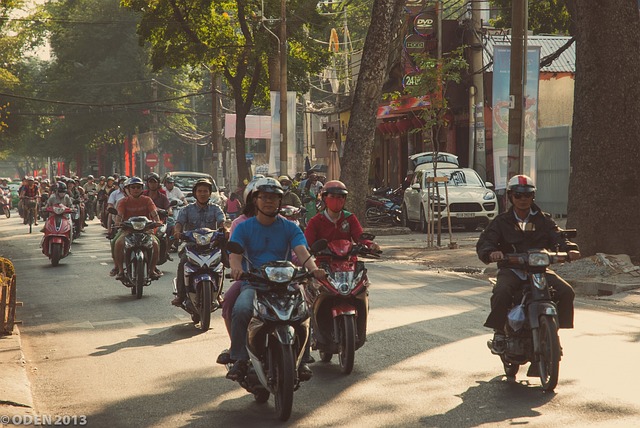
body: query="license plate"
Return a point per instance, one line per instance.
(465, 215)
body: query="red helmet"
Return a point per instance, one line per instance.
(335, 187)
(521, 183)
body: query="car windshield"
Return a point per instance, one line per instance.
(458, 177)
(430, 158)
(186, 182)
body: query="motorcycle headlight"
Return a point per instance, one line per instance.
(58, 210)
(138, 225)
(279, 274)
(342, 281)
(489, 195)
(203, 238)
(539, 259)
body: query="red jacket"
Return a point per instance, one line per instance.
(347, 227)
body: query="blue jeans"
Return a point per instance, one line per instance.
(240, 317)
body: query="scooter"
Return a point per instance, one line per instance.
(293, 214)
(532, 327)
(76, 220)
(5, 201)
(138, 251)
(340, 303)
(278, 332)
(56, 241)
(203, 273)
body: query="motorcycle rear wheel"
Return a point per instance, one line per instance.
(56, 254)
(346, 355)
(549, 362)
(205, 305)
(284, 375)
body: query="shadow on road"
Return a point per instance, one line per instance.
(153, 337)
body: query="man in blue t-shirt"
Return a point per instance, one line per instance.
(265, 237)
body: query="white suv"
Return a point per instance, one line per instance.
(471, 201)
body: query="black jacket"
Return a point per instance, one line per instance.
(504, 234)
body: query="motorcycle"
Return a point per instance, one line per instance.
(177, 205)
(5, 201)
(164, 233)
(383, 207)
(76, 220)
(43, 214)
(56, 241)
(138, 251)
(203, 273)
(532, 327)
(278, 332)
(340, 303)
(91, 204)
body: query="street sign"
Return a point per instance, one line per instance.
(151, 160)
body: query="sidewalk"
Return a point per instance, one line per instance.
(15, 388)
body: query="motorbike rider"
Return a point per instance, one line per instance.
(334, 223)
(60, 196)
(309, 191)
(523, 227)
(265, 237)
(115, 196)
(28, 191)
(289, 197)
(74, 192)
(172, 191)
(199, 214)
(136, 204)
(155, 192)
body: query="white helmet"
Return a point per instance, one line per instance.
(248, 189)
(521, 183)
(269, 185)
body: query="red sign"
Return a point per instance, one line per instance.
(151, 159)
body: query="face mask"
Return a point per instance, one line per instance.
(285, 188)
(335, 204)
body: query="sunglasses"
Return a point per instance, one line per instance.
(519, 195)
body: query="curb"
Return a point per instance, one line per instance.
(15, 388)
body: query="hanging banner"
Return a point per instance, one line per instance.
(501, 74)
(274, 153)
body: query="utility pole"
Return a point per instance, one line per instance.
(216, 147)
(515, 144)
(477, 150)
(283, 88)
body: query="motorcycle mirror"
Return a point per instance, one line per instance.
(235, 248)
(319, 245)
(367, 236)
(112, 210)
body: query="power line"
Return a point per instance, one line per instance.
(104, 105)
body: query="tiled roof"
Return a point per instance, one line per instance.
(566, 62)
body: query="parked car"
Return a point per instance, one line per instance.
(186, 179)
(471, 202)
(425, 160)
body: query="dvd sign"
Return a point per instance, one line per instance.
(424, 24)
(414, 44)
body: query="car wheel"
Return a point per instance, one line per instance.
(405, 219)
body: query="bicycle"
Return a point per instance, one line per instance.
(30, 213)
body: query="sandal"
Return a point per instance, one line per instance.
(113, 272)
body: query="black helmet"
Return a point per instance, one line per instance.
(90, 177)
(169, 179)
(153, 176)
(200, 182)
(62, 188)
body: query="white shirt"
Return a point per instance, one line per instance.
(115, 197)
(174, 193)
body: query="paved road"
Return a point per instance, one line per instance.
(93, 350)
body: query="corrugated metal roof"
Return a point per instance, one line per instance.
(566, 62)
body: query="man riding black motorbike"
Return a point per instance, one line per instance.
(521, 228)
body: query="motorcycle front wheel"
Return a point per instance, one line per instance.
(347, 343)
(56, 254)
(138, 277)
(549, 362)
(205, 305)
(284, 374)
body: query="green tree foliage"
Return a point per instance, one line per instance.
(229, 38)
(545, 16)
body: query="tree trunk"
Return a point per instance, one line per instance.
(356, 159)
(604, 186)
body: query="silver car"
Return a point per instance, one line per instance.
(185, 180)
(471, 202)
